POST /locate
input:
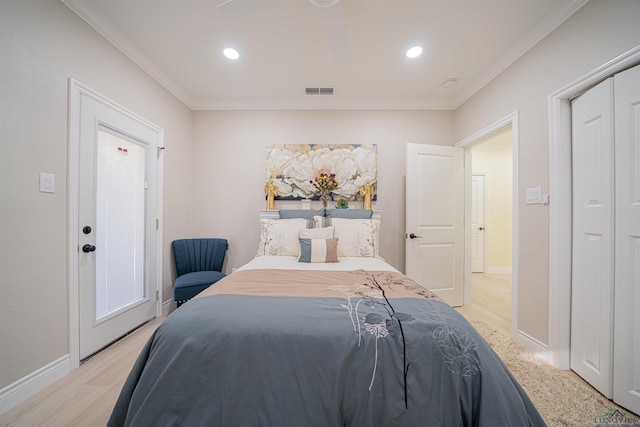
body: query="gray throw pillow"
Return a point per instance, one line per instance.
(349, 213)
(307, 214)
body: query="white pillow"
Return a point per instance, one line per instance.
(357, 237)
(318, 233)
(280, 236)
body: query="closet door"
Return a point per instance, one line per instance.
(626, 372)
(593, 239)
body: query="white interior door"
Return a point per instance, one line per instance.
(478, 222)
(435, 219)
(117, 237)
(626, 371)
(593, 227)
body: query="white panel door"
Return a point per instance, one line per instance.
(435, 219)
(117, 237)
(593, 239)
(478, 222)
(626, 371)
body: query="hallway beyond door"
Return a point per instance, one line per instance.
(490, 300)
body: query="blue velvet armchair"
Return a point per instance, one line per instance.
(198, 266)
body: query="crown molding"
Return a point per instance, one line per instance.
(91, 15)
(539, 32)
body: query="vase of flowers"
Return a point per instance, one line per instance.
(324, 184)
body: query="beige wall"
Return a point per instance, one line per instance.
(43, 43)
(600, 31)
(229, 164)
(496, 160)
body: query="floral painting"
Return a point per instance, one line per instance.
(293, 168)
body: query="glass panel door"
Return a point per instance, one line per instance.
(116, 233)
(120, 224)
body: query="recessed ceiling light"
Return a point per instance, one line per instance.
(324, 3)
(449, 83)
(414, 52)
(231, 53)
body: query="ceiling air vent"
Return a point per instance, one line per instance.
(319, 91)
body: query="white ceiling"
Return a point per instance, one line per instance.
(286, 47)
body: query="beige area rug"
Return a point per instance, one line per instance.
(561, 397)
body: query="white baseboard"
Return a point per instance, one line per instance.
(167, 307)
(499, 270)
(16, 393)
(540, 349)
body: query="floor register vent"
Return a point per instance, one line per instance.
(319, 91)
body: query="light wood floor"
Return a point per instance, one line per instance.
(86, 396)
(490, 300)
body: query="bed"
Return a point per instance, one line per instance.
(282, 342)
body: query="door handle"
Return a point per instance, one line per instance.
(88, 248)
(413, 236)
(481, 228)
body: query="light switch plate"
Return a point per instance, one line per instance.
(47, 182)
(533, 196)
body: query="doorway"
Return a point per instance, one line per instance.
(114, 233)
(491, 227)
(478, 222)
(492, 288)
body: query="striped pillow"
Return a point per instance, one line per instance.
(318, 233)
(318, 250)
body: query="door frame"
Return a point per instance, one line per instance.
(561, 206)
(76, 90)
(511, 120)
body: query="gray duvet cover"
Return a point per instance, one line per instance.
(297, 348)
